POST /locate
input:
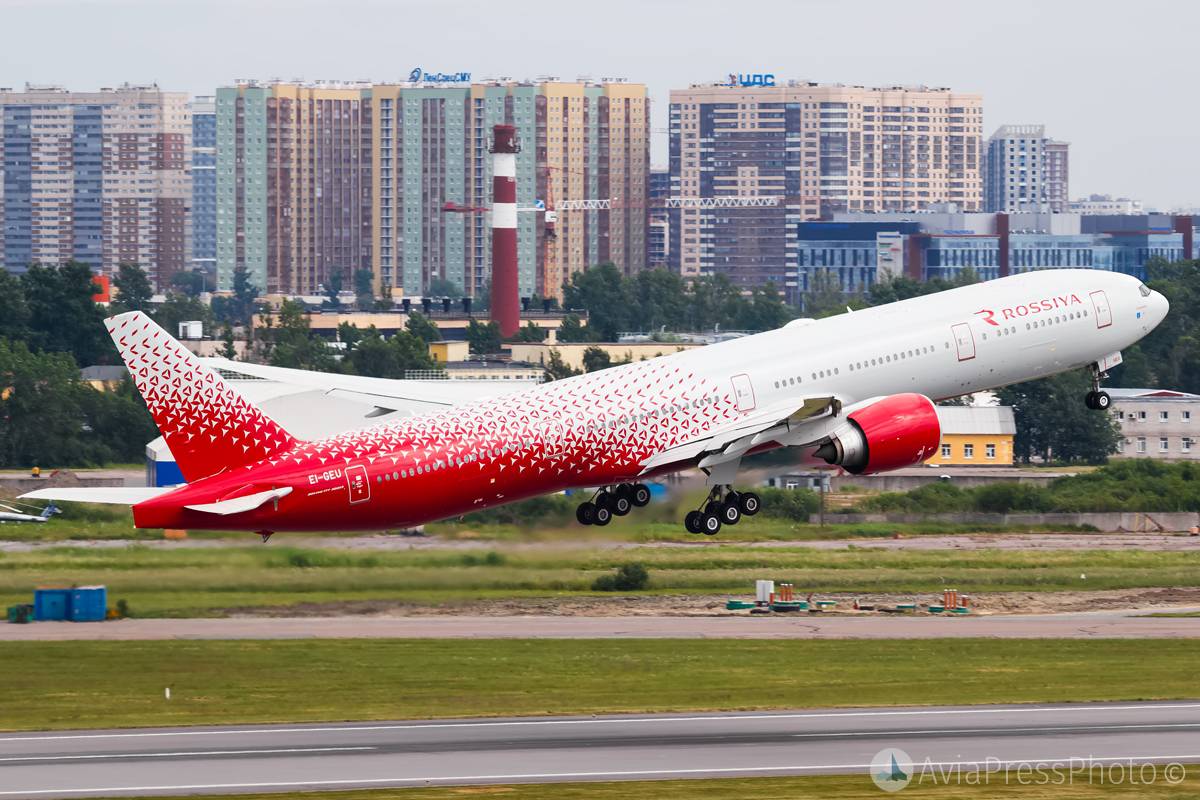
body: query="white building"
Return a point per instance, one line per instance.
(1157, 423)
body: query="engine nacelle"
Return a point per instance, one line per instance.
(895, 432)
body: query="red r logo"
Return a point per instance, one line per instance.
(989, 316)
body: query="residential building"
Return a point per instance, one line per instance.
(857, 249)
(1025, 171)
(1157, 423)
(97, 177)
(293, 185)
(658, 232)
(975, 436)
(204, 188)
(581, 143)
(796, 151)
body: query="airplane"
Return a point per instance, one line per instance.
(10, 514)
(855, 391)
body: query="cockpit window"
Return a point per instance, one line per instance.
(1144, 290)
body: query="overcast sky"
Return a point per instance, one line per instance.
(1116, 79)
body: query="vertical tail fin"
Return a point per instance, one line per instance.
(207, 425)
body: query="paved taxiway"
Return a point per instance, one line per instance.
(1122, 624)
(340, 756)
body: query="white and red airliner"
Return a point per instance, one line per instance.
(855, 390)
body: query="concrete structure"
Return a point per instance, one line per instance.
(580, 142)
(1157, 423)
(204, 188)
(293, 183)
(572, 353)
(975, 435)
(504, 302)
(1105, 204)
(820, 149)
(98, 177)
(855, 249)
(1025, 171)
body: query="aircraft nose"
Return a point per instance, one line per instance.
(1160, 305)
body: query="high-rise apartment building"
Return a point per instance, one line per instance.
(1025, 171)
(204, 186)
(580, 141)
(293, 185)
(97, 177)
(816, 149)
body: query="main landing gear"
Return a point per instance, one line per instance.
(1096, 399)
(723, 506)
(616, 500)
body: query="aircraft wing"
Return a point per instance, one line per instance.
(796, 421)
(120, 495)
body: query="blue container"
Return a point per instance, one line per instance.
(51, 604)
(89, 604)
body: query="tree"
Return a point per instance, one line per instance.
(228, 350)
(441, 287)
(333, 287)
(660, 300)
(602, 291)
(189, 282)
(14, 311)
(1054, 425)
(364, 289)
(483, 338)
(556, 368)
(1169, 357)
(766, 310)
(825, 297)
(133, 289)
(715, 301)
(179, 308)
(238, 309)
(348, 334)
(529, 332)
(377, 357)
(571, 329)
(423, 328)
(63, 317)
(596, 359)
(292, 344)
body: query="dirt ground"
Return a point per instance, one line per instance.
(992, 603)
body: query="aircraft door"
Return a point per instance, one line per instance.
(743, 392)
(964, 341)
(359, 485)
(554, 439)
(1102, 308)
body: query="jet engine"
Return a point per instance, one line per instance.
(898, 431)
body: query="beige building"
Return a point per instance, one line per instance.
(817, 149)
(1157, 423)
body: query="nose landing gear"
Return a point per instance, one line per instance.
(1097, 399)
(724, 506)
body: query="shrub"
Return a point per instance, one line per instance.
(793, 504)
(628, 578)
(1001, 498)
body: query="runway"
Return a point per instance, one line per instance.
(1121, 624)
(495, 751)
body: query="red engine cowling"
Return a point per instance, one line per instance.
(895, 432)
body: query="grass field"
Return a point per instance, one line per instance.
(850, 787)
(120, 684)
(209, 581)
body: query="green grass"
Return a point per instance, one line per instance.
(209, 581)
(120, 684)
(845, 787)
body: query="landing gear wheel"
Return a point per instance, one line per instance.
(749, 504)
(692, 521)
(620, 505)
(730, 513)
(1101, 401)
(713, 507)
(640, 496)
(1089, 400)
(604, 500)
(710, 524)
(603, 516)
(624, 490)
(586, 513)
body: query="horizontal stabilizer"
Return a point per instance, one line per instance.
(239, 505)
(119, 495)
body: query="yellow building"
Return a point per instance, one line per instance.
(446, 352)
(975, 436)
(572, 353)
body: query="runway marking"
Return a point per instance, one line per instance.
(602, 721)
(570, 775)
(951, 731)
(101, 756)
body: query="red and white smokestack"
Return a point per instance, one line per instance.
(506, 307)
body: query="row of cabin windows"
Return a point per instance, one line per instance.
(920, 351)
